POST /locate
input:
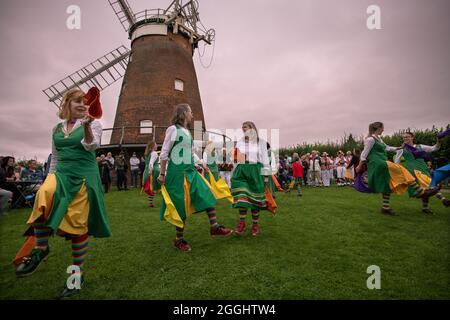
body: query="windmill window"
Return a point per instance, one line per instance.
(146, 123)
(179, 85)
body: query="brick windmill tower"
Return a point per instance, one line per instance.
(158, 72)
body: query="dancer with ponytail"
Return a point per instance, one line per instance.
(70, 201)
(386, 177)
(185, 191)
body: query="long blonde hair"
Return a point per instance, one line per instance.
(71, 95)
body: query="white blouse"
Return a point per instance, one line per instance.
(368, 145)
(97, 131)
(255, 153)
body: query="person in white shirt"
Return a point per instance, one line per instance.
(325, 169)
(250, 177)
(134, 166)
(314, 169)
(340, 163)
(185, 191)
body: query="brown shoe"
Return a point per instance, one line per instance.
(389, 212)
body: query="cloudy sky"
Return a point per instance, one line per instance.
(310, 68)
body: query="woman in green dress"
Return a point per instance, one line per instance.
(185, 191)
(384, 176)
(415, 157)
(151, 172)
(250, 177)
(70, 201)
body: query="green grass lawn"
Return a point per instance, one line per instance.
(317, 247)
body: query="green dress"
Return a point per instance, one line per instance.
(377, 169)
(247, 186)
(155, 173)
(181, 169)
(412, 164)
(75, 166)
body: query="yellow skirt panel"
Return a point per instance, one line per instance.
(76, 219)
(423, 180)
(219, 188)
(400, 178)
(171, 214)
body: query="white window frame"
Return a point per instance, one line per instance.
(179, 85)
(146, 123)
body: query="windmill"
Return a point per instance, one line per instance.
(158, 72)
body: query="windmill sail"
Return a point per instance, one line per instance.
(100, 73)
(123, 12)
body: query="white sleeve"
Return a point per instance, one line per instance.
(205, 158)
(429, 149)
(153, 158)
(197, 159)
(389, 148)
(368, 145)
(169, 140)
(54, 158)
(97, 131)
(398, 156)
(274, 164)
(264, 158)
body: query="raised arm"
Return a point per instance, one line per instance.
(92, 136)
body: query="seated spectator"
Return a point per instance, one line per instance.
(17, 172)
(5, 199)
(7, 177)
(32, 173)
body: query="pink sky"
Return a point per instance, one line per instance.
(310, 68)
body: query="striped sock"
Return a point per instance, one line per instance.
(425, 203)
(180, 234)
(79, 250)
(150, 199)
(255, 216)
(212, 217)
(242, 215)
(386, 199)
(417, 189)
(440, 196)
(42, 234)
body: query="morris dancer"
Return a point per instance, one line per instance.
(70, 201)
(185, 191)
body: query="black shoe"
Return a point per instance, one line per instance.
(427, 211)
(67, 293)
(30, 264)
(389, 212)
